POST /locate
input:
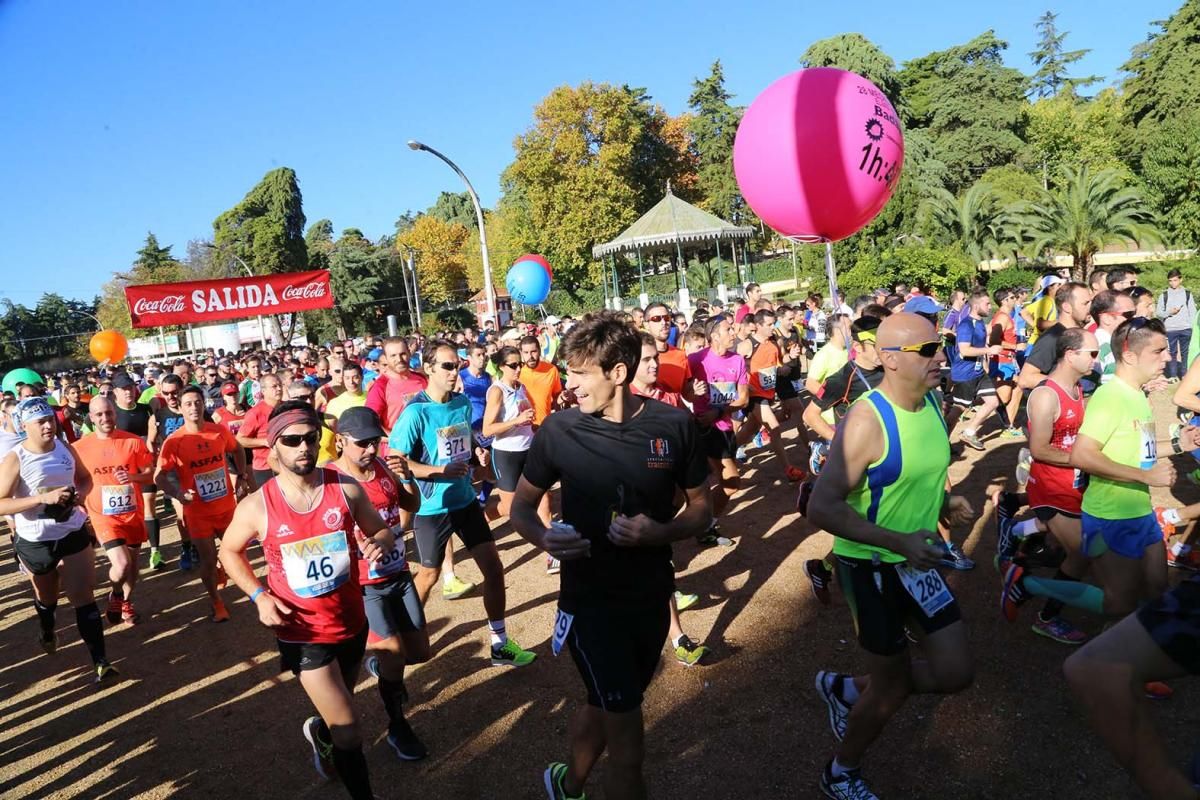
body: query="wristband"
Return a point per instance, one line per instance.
(254, 595)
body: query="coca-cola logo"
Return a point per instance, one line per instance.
(171, 304)
(306, 292)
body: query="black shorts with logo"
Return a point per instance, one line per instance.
(301, 656)
(881, 606)
(433, 531)
(42, 558)
(1173, 622)
(616, 650)
(971, 391)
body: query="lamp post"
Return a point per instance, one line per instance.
(99, 324)
(487, 267)
(262, 328)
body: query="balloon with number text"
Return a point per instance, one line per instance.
(528, 283)
(108, 346)
(818, 154)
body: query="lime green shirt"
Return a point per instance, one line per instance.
(826, 361)
(904, 489)
(1118, 417)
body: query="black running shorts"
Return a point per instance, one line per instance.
(393, 607)
(300, 656)
(971, 391)
(616, 650)
(1173, 622)
(881, 606)
(433, 531)
(718, 444)
(507, 466)
(42, 558)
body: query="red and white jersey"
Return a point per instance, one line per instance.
(1052, 485)
(312, 564)
(384, 493)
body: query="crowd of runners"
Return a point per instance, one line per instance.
(326, 484)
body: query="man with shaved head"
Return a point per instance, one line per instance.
(882, 494)
(122, 468)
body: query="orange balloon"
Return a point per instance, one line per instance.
(108, 346)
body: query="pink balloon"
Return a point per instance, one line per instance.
(539, 260)
(818, 153)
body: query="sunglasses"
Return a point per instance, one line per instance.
(297, 439)
(449, 366)
(924, 349)
(365, 443)
(1089, 353)
(169, 394)
(513, 364)
(659, 318)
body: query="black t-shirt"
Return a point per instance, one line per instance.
(847, 385)
(1042, 355)
(134, 420)
(607, 468)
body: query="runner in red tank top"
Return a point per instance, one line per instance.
(394, 615)
(311, 522)
(1055, 489)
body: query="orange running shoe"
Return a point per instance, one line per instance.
(795, 474)
(113, 612)
(220, 613)
(1157, 690)
(129, 614)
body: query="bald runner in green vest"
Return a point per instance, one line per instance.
(882, 494)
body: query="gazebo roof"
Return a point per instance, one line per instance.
(672, 220)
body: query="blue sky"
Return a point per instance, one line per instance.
(118, 118)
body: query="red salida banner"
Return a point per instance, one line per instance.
(154, 304)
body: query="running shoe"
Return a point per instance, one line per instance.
(685, 601)
(740, 455)
(955, 558)
(157, 562)
(1012, 433)
(759, 440)
(1059, 630)
(794, 474)
(456, 588)
(113, 612)
(817, 455)
(1157, 690)
(1167, 527)
(688, 652)
(839, 709)
(819, 576)
(1006, 543)
(803, 495)
(973, 441)
(511, 654)
(713, 538)
(372, 665)
(847, 786)
(322, 751)
(1024, 460)
(404, 741)
(185, 558)
(129, 614)
(1013, 593)
(220, 612)
(105, 672)
(552, 779)
(1189, 560)
(48, 643)
(553, 565)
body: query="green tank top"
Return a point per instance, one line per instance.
(903, 490)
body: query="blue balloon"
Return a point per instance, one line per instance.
(528, 283)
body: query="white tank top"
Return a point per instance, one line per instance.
(513, 402)
(39, 472)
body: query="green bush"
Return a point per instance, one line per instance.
(1153, 274)
(942, 269)
(1013, 277)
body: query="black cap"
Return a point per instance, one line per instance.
(359, 422)
(122, 381)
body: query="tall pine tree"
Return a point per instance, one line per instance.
(1052, 61)
(713, 125)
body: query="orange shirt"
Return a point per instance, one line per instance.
(764, 366)
(199, 461)
(112, 504)
(543, 385)
(673, 369)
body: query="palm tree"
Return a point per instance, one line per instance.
(978, 221)
(1086, 212)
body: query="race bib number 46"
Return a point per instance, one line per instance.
(454, 443)
(212, 485)
(317, 565)
(118, 499)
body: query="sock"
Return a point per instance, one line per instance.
(447, 578)
(1073, 593)
(1002, 413)
(1054, 607)
(675, 642)
(87, 619)
(499, 636)
(351, 766)
(968, 432)
(45, 617)
(1180, 549)
(152, 532)
(1025, 529)
(394, 695)
(844, 688)
(836, 769)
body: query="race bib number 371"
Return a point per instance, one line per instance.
(317, 565)
(454, 443)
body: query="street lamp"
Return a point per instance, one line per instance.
(99, 324)
(262, 328)
(487, 267)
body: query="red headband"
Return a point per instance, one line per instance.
(296, 416)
